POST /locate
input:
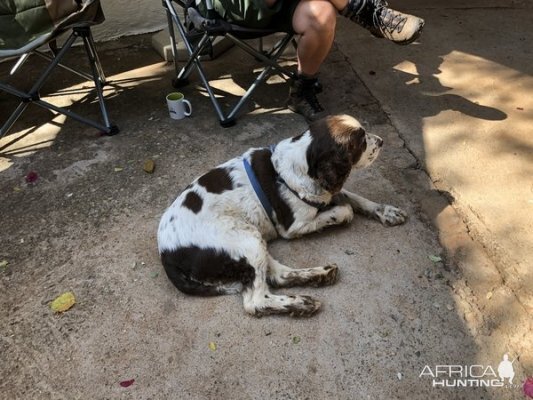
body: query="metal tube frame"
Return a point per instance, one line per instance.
(33, 96)
(269, 59)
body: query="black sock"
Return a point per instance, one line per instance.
(354, 7)
(307, 80)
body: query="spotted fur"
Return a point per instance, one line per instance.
(213, 238)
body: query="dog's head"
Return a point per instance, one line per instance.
(339, 144)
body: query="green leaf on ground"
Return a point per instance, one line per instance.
(434, 258)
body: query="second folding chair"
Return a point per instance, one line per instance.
(26, 25)
(197, 33)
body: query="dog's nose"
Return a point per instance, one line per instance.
(379, 142)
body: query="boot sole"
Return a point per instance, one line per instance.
(414, 37)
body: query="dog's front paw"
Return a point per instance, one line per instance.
(390, 215)
(341, 215)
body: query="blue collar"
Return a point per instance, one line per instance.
(259, 191)
(261, 195)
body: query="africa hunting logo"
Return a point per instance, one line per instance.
(456, 376)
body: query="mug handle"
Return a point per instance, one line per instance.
(187, 113)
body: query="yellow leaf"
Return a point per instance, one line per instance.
(213, 346)
(149, 166)
(63, 303)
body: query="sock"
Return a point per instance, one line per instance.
(304, 83)
(353, 7)
(306, 79)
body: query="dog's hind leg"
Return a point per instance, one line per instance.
(280, 275)
(256, 295)
(386, 214)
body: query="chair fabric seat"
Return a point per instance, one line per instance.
(27, 24)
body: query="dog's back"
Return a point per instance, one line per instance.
(200, 234)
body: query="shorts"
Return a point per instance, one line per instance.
(254, 14)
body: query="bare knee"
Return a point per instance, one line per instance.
(319, 16)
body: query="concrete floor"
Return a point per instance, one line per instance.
(88, 225)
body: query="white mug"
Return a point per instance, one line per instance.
(176, 105)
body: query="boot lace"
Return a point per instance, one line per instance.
(387, 20)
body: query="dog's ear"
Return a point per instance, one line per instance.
(332, 170)
(329, 157)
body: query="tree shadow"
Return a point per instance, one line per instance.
(468, 117)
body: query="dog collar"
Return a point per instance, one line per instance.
(259, 191)
(318, 205)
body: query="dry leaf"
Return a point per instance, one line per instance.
(31, 177)
(528, 387)
(63, 303)
(213, 346)
(127, 383)
(149, 166)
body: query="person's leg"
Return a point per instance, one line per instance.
(314, 21)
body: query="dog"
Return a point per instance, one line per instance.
(213, 238)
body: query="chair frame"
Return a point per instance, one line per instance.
(33, 96)
(236, 34)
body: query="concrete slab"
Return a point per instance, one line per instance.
(88, 225)
(461, 100)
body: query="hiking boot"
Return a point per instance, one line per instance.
(384, 22)
(303, 100)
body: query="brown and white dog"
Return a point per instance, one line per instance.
(213, 238)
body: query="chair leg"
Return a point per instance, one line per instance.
(96, 58)
(98, 76)
(13, 118)
(271, 65)
(19, 63)
(173, 42)
(33, 95)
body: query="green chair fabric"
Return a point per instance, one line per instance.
(27, 24)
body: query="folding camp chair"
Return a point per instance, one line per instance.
(26, 25)
(197, 33)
